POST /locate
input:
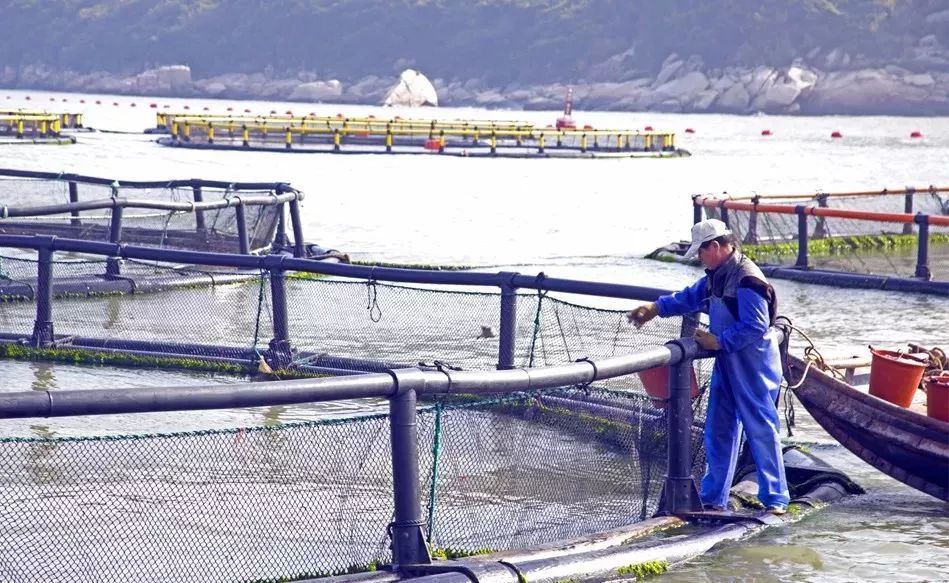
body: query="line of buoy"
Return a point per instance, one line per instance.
(765, 132)
(689, 131)
(916, 134)
(836, 134)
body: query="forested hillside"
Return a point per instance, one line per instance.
(495, 41)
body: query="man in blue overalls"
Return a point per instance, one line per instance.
(747, 373)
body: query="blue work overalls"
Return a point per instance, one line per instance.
(745, 380)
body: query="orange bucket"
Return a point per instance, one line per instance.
(656, 381)
(894, 375)
(937, 396)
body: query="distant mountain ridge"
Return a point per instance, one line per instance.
(485, 51)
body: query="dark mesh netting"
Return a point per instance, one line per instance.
(140, 226)
(845, 244)
(315, 498)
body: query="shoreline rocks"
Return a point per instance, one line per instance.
(681, 85)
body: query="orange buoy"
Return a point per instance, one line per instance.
(28, 97)
(339, 115)
(52, 99)
(65, 100)
(166, 106)
(937, 395)
(289, 112)
(689, 131)
(588, 127)
(153, 105)
(648, 129)
(207, 109)
(187, 107)
(836, 134)
(916, 134)
(98, 102)
(230, 109)
(372, 116)
(765, 132)
(656, 383)
(80, 101)
(273, 112)
(895, 375)
(132, 104)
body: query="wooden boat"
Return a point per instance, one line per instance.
(904, 444)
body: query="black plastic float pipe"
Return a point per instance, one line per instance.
(243, 241)
(408, 540)
(297, 223)
(148, 204)
(339, 269)
(922, 247)
(801, 262)
(112, 265)
(508, 324)
(234, 186)
(908, 209)
(73, 199)
(198, 197)
(138, 400)
(43, 325)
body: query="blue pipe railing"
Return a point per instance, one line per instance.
(400, 386)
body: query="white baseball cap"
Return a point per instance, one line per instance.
(704, 232)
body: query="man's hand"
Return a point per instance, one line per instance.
(707, 340)
(643, 314)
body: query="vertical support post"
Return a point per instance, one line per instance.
(198, 196)
(43, 326)
(73, 199)
(297, 224)
(820, 229)
(112, 264)
(698, 211)
(801, 262)
(680, 493)
(280, 355)
(242, 239)
(751, 235)
(908, 209)
(280, 237)
(724, 212)
(507, 335)
(922, 247)
(408, 541)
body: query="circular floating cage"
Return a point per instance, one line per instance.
(467, 138)
(37, 127)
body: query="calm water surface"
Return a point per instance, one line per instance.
(591, 219)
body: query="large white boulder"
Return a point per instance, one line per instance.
(413, 90)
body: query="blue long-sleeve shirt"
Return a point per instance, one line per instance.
(753, 318)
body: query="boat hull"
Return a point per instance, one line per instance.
(905, 445)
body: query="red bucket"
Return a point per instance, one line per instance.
(937, 396)
(894, 375)
(656, 381)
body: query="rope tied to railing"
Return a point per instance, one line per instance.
(541, 294)
(372, 297)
